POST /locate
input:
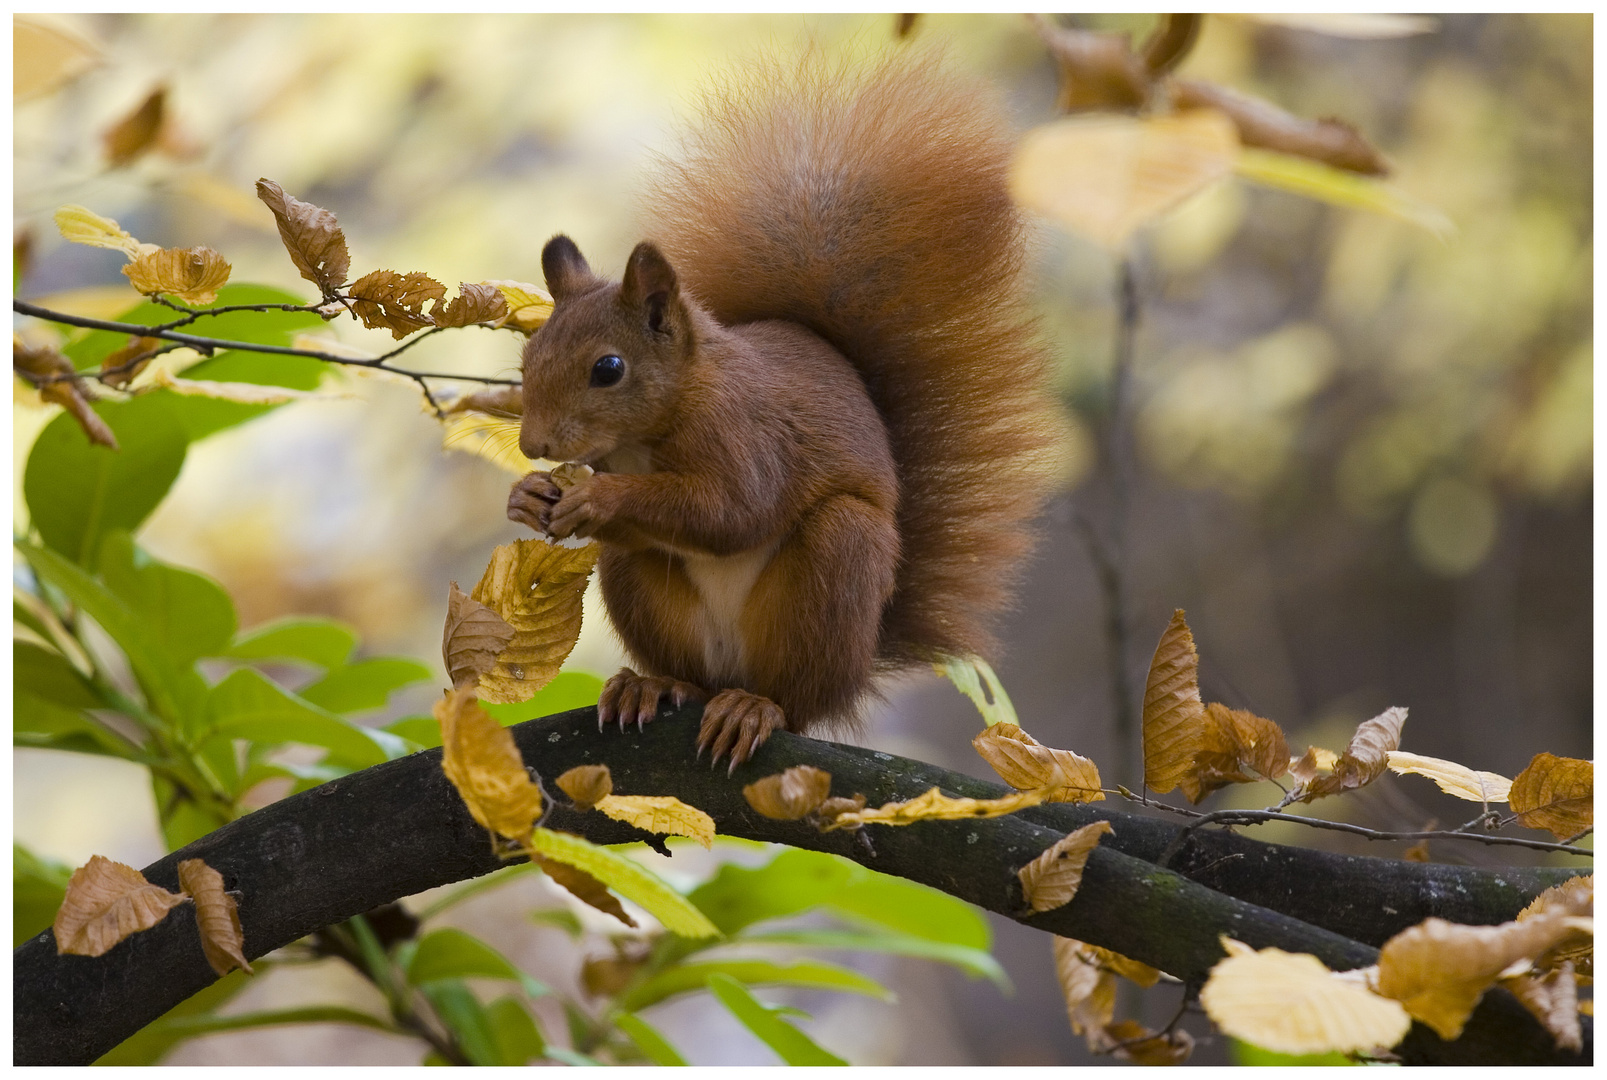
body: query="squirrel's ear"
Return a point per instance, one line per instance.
(564, 266)
(650, 285)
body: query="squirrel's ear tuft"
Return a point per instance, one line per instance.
(650, 284)
(564, 267)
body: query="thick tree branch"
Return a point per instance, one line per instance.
(399, 828)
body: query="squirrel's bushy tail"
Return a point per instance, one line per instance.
(869, 203)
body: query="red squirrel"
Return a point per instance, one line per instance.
(816, 404)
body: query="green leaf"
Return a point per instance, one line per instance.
(814, 974)
(367, 684)
(76, 490)
(50, 675)
(648, 1040)
(1303, 176)
(422, 731)
(30, 620)
(569, 690)
(1247, 1054)
(248, 706)
(182, 818)
(256, 327)
(570, 1057)
(974, 962)
(203, 416)
(628, 878)
(466, 1018)
(453, 897)
(517, 1036)
(48, 700)
(794, 881)
(174, 692)
(453, 954)
(188, 614)
(977, 681)
(792, 1045)
(323, 642)
(912, 909)
(151, 1043)
(37, 887)
(561, 918)
(189, 1027)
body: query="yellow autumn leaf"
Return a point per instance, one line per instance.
(194, 275)
(586, 785)
(480, 758)
(1574, 897)
(536, 588)
(1026, 764)
(216, 914)
(1553, 998)
(1440, 969)
(473, 638)
(490, 437)
(627, 877)
(1315, 180)
(80, 225)
(1174, 715)
(974, 678)
(1453, 779)
(1292, 1004)
(1555, 794)
(1364, 760)
(528, 305)
(790, 795)
(1089, 989)
(107, 901)
(582, 886)
(504, 402)
(1134, 1042)
(1107, 176)
(244, 393)
(933, 805)
(1053, 878)
(660, 814)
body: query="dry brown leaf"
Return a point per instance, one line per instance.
(311, 235)
(933, 805)
(473, 304)
(1574, 897)
(1418, 852)
(582, 886)
(194, 275)
(586, 785)
(503, 402)
(217, 916)
(136, 133)
(83, 226)
(569, 474)
(1364, 760)
(1291, 1003)
(1098, 70)
(660, 814)
(105, 903)
(124, 358)
(1026, 764)
(536, 588)
(1089, 988)
(791, 795)
(42, 366)
(1107, 176)
(1453, 779)
(1232, 739)
(473, 639)
(835, 807)
(528, 305)
(1261, 123)
(605, 976)
(480, 758)
(1053, 878)
(1174, 716)
(395, 302)
(1136, 1043)
(1553, 998)
(1555, 794)
(1439, 969)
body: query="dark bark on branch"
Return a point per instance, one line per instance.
(399, 828)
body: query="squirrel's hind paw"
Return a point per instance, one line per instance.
(629, 696)
(738, 723)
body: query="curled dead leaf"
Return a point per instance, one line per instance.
(1574, 897)
(1364, 760)
(58, 383)
(583, 887)
(123, 365)
(81, 225)
(1098, 70)
(1174, 715)
(1231, 740)
(569, 474)
(1026, 764)
(1453, 779)
(1553, 998)
(473, 639)
(605, 976)
(1089, 989)
(480, 758)
(791, 795)
(528, 305)
(395, 302)
(1555, 794)
(1053, 878)
(311, 235)
(473, 304)
(136, 133)
(536, 588)
(503, 402)
(662, 814)
(1261, 123)
(586, 785)
(194, 275)
(107, 901)
(1132, 1041)
(217, 916)
(835, 807)
(1292, 1004)
(933, 805)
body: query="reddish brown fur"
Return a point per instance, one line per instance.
(880, 502)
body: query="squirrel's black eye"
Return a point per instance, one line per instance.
(607, 371)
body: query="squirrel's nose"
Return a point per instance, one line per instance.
(530, 448)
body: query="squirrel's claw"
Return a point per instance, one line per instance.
(736, 722)
(628, 695)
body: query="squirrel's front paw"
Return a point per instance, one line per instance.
(580, 511)
(532, 499)
(629, 695)
(738, 723)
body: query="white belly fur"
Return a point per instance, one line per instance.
(723, 583)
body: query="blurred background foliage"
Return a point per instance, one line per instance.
(1366, 451)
